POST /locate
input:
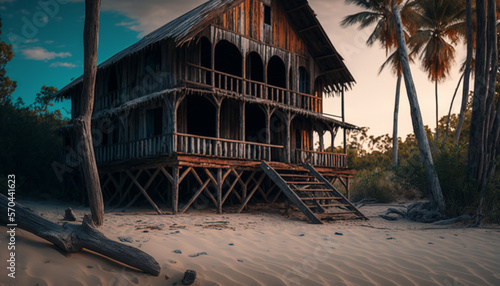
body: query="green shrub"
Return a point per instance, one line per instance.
(375, 184)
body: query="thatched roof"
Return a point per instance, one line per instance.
(184, 29)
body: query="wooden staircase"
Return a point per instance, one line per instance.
(311, 193)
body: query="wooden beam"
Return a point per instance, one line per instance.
(195, 174)
(309, 28)
(175, 183)
(134, 180)
(296, 8)
(236, 180)
(195, 196)
(127, 191)
(219, 191)
(325, 57)
(247, 199)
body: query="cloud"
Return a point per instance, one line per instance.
(6, 1)
(31, 41)
(151, 14)
(49, 42)
(62, 64)
(40, 54)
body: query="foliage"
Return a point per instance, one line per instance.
(7, 86)
(29, 144)
(374, 184)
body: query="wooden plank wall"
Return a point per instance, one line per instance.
(247, 19)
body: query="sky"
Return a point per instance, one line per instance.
(47, 39)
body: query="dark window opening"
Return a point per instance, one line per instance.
(228, 58)
(276, 72)
(206, 59)
(267, 15)
(200, 116)
(154, 122)
(255, 124)
(255, 67)
(304, 85)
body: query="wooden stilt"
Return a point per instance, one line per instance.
(134, 180)
(219, 191)
(175, 189)
(247, 199)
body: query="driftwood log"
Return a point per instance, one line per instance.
(73, 238)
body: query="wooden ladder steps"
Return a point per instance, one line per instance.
(296, 175)
(304, 183)
(311, 190)
(320, 198)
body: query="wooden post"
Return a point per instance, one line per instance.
(321, 143)
(175, 189)
(288, 122)
(343, 121)
(242, 121)
(347, 188)
(219, 191)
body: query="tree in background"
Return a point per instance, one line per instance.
(435, 38)
(484, 147)
(467, 71)
(7, 86)
(436, 203)
(379, 12)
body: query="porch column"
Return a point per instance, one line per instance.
(175, 189)
(288, 123)
(321, 143)
(343, 121)
(242, 121)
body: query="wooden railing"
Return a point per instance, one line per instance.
(188, 144)
(201, 145)
(198, 75)
(141, 148)
(316, 158)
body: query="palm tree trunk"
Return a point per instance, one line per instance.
(437, 111)
(451, 106)
(435, 193)
(395, 125)
(465, 91)
(83, 122)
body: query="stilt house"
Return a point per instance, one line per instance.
(220, 107)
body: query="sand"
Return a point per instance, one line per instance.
(262, 247)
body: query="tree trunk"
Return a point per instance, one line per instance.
(437, 111)
(83, 122)
(465, 91)
(451, 106)
(435, 193)
(73, 238)
(485, 123)
(395, 125)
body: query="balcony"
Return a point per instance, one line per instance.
(208, 146)
(226, 83)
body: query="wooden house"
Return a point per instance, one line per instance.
(220, 106)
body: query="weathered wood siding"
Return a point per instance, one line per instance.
(247, 19)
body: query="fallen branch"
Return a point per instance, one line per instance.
(453, 220)
(73, 238)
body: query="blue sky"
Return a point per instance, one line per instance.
(47, 36)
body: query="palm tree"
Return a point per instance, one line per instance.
(435, 38)
(379, 12)
(435, 193)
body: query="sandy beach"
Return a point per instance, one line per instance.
(263, 247)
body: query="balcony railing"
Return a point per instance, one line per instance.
(201, 76)
(316, 158)
(201, 145)
(188, 144)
